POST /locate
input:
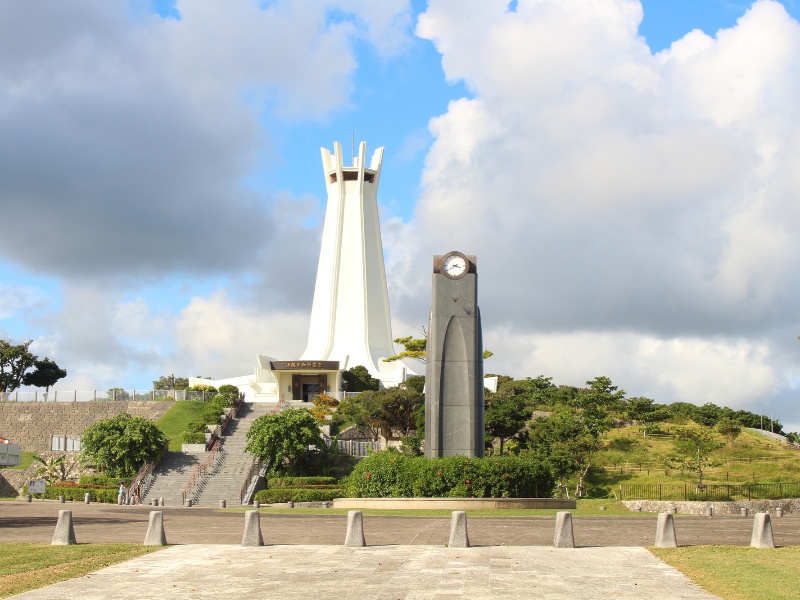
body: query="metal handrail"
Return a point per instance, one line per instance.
(145, 471)
(200, 470)
(255, 467)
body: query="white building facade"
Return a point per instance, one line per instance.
(350, 318)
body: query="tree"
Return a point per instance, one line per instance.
(358, 379)
(365, 411)
(56, 468)
(324, 405)
(730, 428)
(282, 439)
(15, 360)
(119, 446)
(416, 348)
(398, 407)
(416, 382)
(646, 413)
(707, 415)
(566, 444)
(45, 374)
(693, 447)
(170, 382)
(505, 414)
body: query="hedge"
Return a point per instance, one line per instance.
(300, 482)
(279, 495)
(76, 494)
(101, 480)
(394, 475)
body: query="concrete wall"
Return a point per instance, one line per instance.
(30, 424)
(791, 505)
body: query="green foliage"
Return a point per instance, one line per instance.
(298, 482)
(730, 428)
(398, 407)
(170, 382)
(51, 468)
(283, 438)
(364, 411)
(646, 413)
(412, 348)
(213, 410)
(15, 360)
(100, 481)
(707, 415)
(324, 405)
(506, 412)
(202, 388)
(119, 446)
(416, 383)
(285, 494)
(45, 374)
(77, 493)
(194, 437)
(117, 394)
(693, 451)
(182, 416)
(391, 474)
(358, 379)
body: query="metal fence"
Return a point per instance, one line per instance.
(709, 492)
(103, 395)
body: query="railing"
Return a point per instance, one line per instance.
(656, 465)
(104, 395)
(709, 492)
(200, 470)
(353, 447)
(255, 468)
(144, 477)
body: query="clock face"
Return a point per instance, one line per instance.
(455, 265)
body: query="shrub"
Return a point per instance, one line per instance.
(100, 480)
(276, 495)
(194, 437)
(300, 482)
(76, 494)
(391, 475)
(118, 446)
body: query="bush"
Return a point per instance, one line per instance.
(76, 494)
(277, 495)
(120, 445)
(213, 409)
(100, 480)
(194, 437)
(392, 475)
(300, 482)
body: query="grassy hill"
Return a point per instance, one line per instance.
(628, 457)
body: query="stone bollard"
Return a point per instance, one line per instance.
(564, 537)
(762, 532)
(458, 530)
(290, 504)
(155, 535)
(252, 529)
(64, 534)
(154, 502)
(355, 530)
(87, 498)
(161, 502)
(637, 508)
(120, 499)
(256, 504)
(743, 511)
(709, 511)
(223, 503)
(779, 512)
(187, 502)
(28, 498)
(665, 531)
(62, 499)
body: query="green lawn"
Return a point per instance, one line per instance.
(25, 460)
(177, 418)
(30, 566)
(738, 573)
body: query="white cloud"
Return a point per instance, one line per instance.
(634, 215)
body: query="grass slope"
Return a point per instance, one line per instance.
(628, 457)
(738, 573)
(177, 418)
(30, 566)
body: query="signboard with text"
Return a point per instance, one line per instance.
(304, 365)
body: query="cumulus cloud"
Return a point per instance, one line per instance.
(126, 138)
(621, 203)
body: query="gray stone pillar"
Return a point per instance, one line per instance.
(564, 535)
(458, 530)
(762, 532)
(64, 534)
(252, 529)
(355, 530)
(87, 497)
(665, 531)
(155, 530)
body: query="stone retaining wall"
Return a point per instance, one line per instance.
(720, 508)
(30, 424)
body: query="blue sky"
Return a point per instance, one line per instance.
(625, 171)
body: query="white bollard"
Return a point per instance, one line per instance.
(155, 530)
(458, 530)
(564, 536)
(64, 534)
(87, 497)
(762, 532)
(665, 531)
(709, 511)
(355, 530)
(779, 512)
(252, 529)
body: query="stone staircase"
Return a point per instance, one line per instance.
(225, 476)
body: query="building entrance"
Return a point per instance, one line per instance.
(305, 387)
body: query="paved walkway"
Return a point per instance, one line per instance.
(382, 572)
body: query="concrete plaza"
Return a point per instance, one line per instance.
(406, 556)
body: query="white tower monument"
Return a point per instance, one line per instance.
(350, 319)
